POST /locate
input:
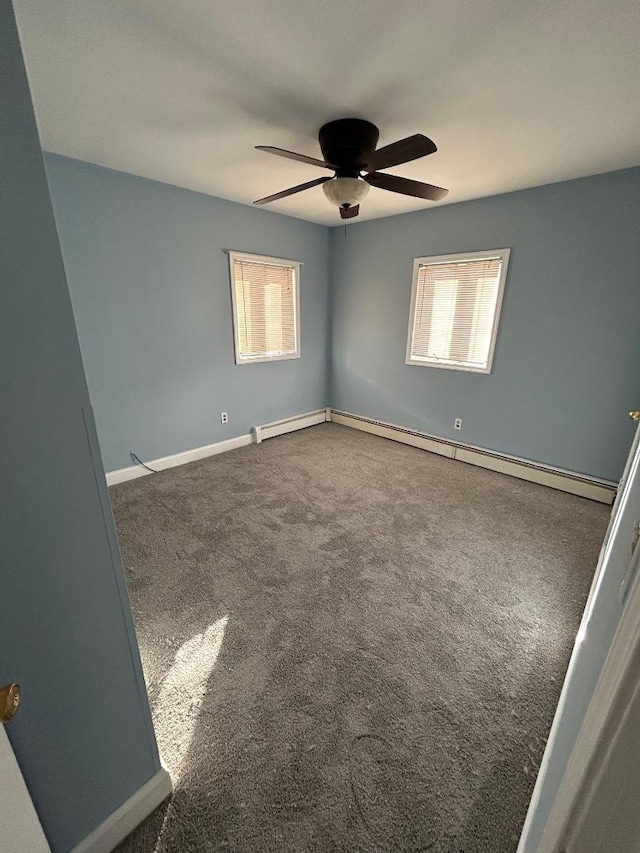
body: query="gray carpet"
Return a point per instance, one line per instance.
(350, 644)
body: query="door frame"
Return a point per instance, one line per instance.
(606, 708)
(603, 722)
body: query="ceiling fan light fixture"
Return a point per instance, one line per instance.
(349, 150)
(345, 191)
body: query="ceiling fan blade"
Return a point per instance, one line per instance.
(405, 186)
(350, 212)
(291, 191)
(401, 152)
(291, 155)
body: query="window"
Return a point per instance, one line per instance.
(455, 309)
(266, 313)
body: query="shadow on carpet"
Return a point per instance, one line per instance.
(350, 644)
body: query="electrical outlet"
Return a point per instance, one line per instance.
(457, 424)
(224, 417)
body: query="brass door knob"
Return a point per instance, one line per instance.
(635, 416)
(9, 702)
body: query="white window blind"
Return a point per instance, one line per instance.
(455, 308)
(265, 308)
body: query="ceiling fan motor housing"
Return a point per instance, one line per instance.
(347, 144)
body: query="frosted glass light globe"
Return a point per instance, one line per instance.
(349, 191)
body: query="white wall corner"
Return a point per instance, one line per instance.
(131, 813)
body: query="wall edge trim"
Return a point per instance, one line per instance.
(130, 814)
(582, 485)
(121, 475)
(257, 435)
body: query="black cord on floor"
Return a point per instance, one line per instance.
(137, 459)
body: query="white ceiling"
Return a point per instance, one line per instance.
(515, 93)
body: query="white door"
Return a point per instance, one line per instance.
(603, 813)
(19, 825)
(573, 733)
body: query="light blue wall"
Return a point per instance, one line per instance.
(150, 289)
(567, 362)
(83, 736)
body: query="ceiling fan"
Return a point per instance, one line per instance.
(348, 147)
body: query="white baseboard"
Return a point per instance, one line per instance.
(123, 474)
(566, 481)
(124, 820)
(290, 424)
(545, 475)
(259, 434)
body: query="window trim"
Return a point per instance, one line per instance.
(503, 254)
(276, 262)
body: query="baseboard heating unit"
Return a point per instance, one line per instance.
(556, 478)
(261, 433)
